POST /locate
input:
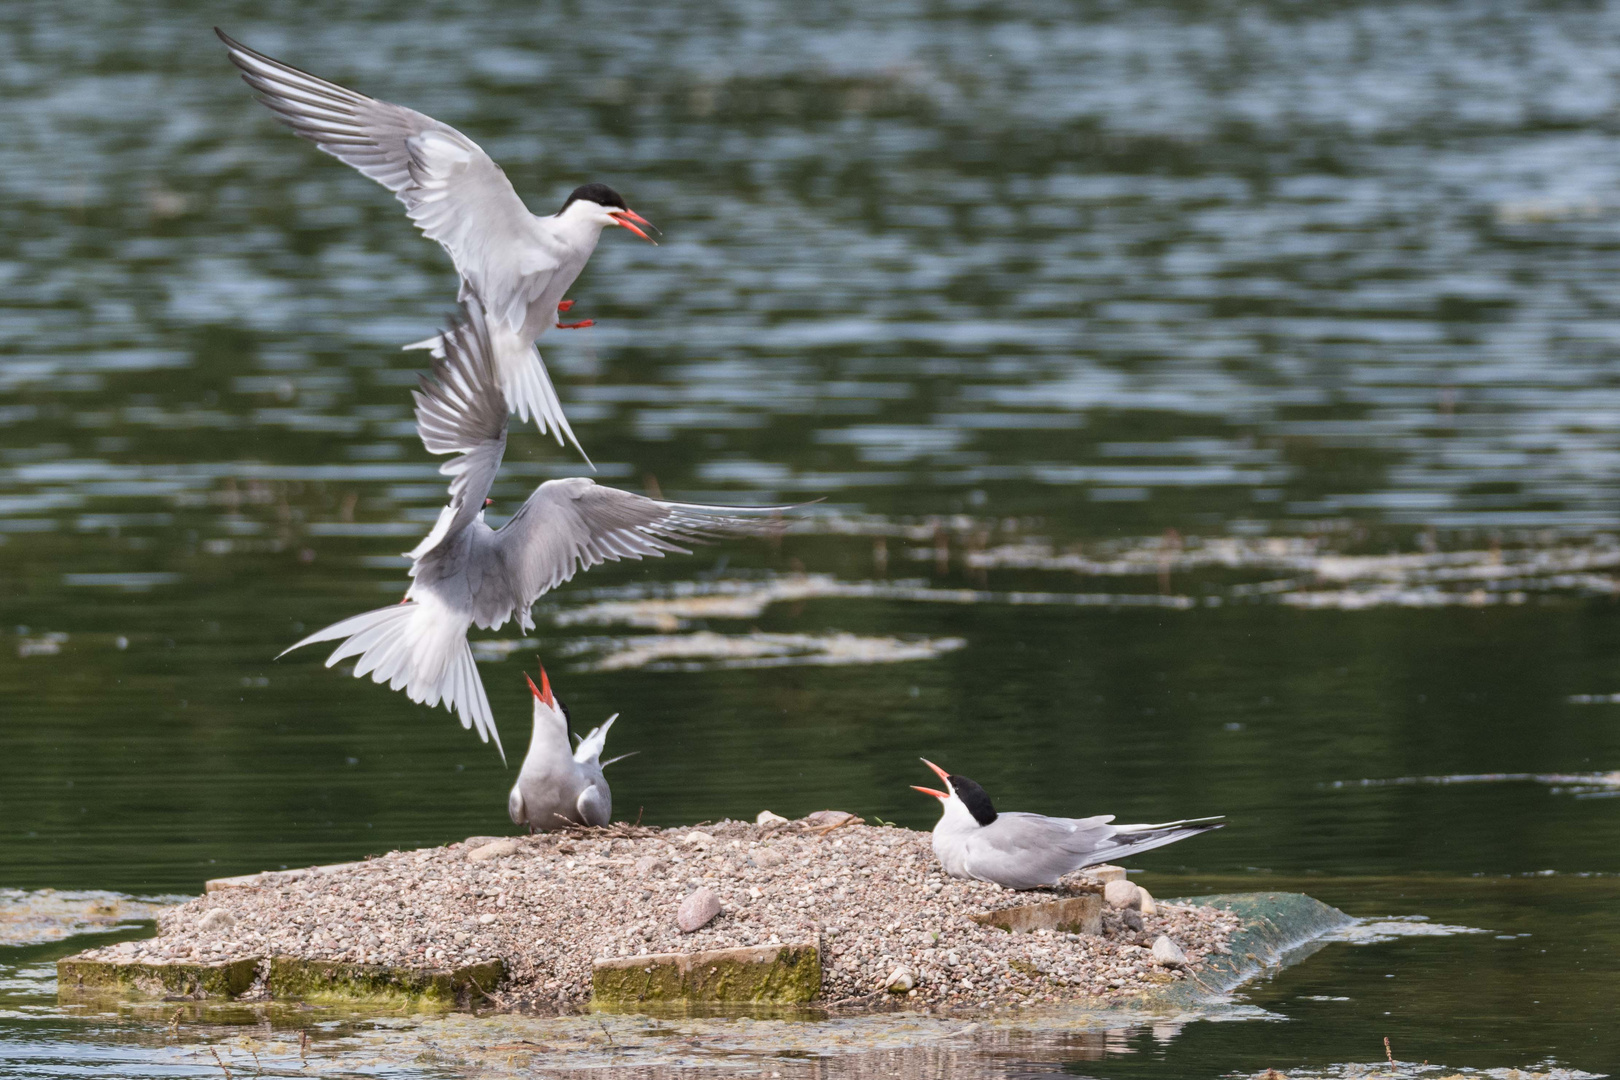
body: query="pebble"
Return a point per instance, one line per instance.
(874, 896)
(900, 980)
(767, 818)
(1167, 953)
(1133, 919)
(697, 910)
(495, 849)
(1144, 902)
(216, 919)
(1120, 893)
(1105, 872)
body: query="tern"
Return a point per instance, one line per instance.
(518, 264)
(558, 787)
(1029, 851)
(466, 573)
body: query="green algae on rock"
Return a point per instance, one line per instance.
(757, 975)
(76, 976)
(381, 984)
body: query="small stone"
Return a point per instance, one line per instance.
(486, 918)
(1132, 918)
(648, 865)
(495, 849)
(697, 910)
(1145, 902)
(1106, 872)
(829, 818)
(767, 818)
(767, 858)
(900, 981)
(696, 839)
(479, 841)
(1120, 893)
(1167, 953)
(216, 919)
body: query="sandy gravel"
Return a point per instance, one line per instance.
(874, 897)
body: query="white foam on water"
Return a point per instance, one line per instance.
(707, 651)
(1374, 931)
(39, 916)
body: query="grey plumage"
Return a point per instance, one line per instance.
(557, 787)
(466, 573)
(1030, 851)
(520, 265)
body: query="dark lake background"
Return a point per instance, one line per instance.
(1044, 298)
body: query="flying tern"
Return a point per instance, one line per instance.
(1028, 851)
(466, 573)
(518, 264)
(558, 786)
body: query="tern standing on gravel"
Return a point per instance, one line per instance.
(1028, 851)
(518, 264)
(467, 573)
(557, 786)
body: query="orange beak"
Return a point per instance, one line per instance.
(939, 772)
(627, 217)
(543, 691)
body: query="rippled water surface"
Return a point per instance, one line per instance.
(1214, 409)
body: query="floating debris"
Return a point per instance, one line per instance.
(707, 651)
(1581, 785)
(38, 916)
(1376, 931)
(48, 644)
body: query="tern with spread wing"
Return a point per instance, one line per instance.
(558, 787)
(518, 264)
(1030, 851)
(466, 573)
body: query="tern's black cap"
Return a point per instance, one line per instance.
(974, 798)
(600, 194)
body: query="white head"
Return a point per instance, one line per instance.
(601, 206)
(549, 713)
(966, 805)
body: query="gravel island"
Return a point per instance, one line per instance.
(892, 930)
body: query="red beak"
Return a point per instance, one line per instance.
(939, 772)
(626, 217)
(543, 691)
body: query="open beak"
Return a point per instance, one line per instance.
(939, 772)
(543, 691)
(630, 219)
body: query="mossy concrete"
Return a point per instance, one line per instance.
(757, 975)
(1277, 927)
(223, 979)
(1072, 915)
(381, 984)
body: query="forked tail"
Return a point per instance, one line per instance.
(420, 649)
(1135, 839)
(524, 381)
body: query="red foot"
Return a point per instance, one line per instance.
(565, 305)
(576, 325)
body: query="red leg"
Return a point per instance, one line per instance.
(576, 325)
(565, 306)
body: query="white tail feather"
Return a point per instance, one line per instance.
(590, 747)
(420, 648)
(524, 381)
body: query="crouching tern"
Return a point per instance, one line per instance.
(466, 573)
(1029, 851)
(557, 786)
(521, 265)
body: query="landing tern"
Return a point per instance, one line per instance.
(520, 265)
(557, 786)
(1029, 851)
(466, 573)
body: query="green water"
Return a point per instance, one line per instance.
(1121, 282)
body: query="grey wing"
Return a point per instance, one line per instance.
(574, 524)
(1026, 851)
(595, 804)
(454, 191)
(462, 411)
